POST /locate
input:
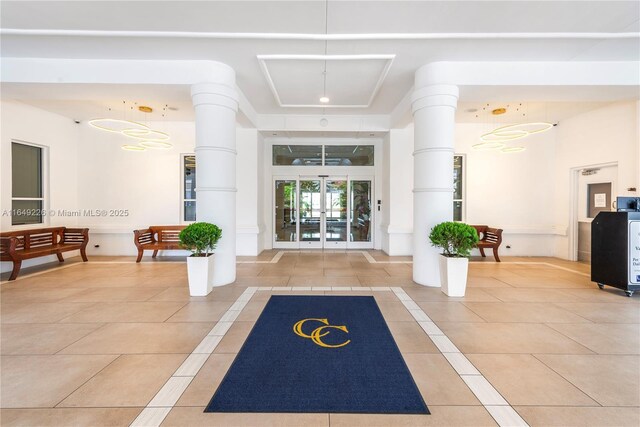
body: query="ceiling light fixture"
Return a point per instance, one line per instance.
(158, 145)
(512, 149)
(150, 138)
(117, 125)
(146, 135)
(515, 131)
(324, 99)
(503, 136)
(488, 146)
(128, 147)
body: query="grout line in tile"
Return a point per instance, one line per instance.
(208, 344)
(501, 411)
(170, 392)
(151, 417)
(461, 364)
(430, 328)
(506, 416)
(444, 344)
(420, 316)
(157, 410)
(191, 365)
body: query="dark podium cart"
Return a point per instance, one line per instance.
(615, 250)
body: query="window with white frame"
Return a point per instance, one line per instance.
(323, 155)
(458, 188)
(27, 187)
(188, 188)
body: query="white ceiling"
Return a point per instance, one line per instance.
(300, 82)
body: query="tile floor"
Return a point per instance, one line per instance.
(94, 344)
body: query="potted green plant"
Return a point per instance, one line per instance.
(201, 239)
(456, 240)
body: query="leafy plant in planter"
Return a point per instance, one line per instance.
(455, 238)
(201, 238)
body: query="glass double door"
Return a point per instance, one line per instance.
(323, 212)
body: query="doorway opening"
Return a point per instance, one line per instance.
(323, 212)
(594, 191)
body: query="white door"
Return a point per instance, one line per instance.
(323, 212)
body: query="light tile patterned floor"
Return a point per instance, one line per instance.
(111, 342)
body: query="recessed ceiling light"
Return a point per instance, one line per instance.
(471, 110)
(324, 99)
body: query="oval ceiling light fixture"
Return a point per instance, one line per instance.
(529, 128)
(118, 125)
(504, 135)
(128, 147)
(488, 146)
(512, 149)
(146, 135)
(324, 100)
(157, 145)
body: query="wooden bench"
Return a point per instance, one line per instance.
(157, 238)
(490, 238)
(17, 246)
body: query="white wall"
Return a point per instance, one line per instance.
(59, 136)
(608, 135)
(399, 200)
(514, 191)
(88, 170)
(509, 191)
(247, 181)
(148, 185)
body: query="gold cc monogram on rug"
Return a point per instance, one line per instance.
(320, 332)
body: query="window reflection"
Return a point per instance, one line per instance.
(310, 213)
(457, 187)
(348, 155)
(286, 214)
(297, 155)
(360, 211)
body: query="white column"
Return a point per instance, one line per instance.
(434, 108)
(216, 104)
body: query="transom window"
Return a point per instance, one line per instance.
(323, 155)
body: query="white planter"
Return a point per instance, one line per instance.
(200, 273)
(453, 275)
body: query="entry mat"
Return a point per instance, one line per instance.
(329, 354)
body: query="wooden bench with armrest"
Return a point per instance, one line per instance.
(157, 238)
(19, 245)
(490, 238)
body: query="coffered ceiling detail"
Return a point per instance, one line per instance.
(349, 81)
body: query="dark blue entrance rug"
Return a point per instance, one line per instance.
(326, 354)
